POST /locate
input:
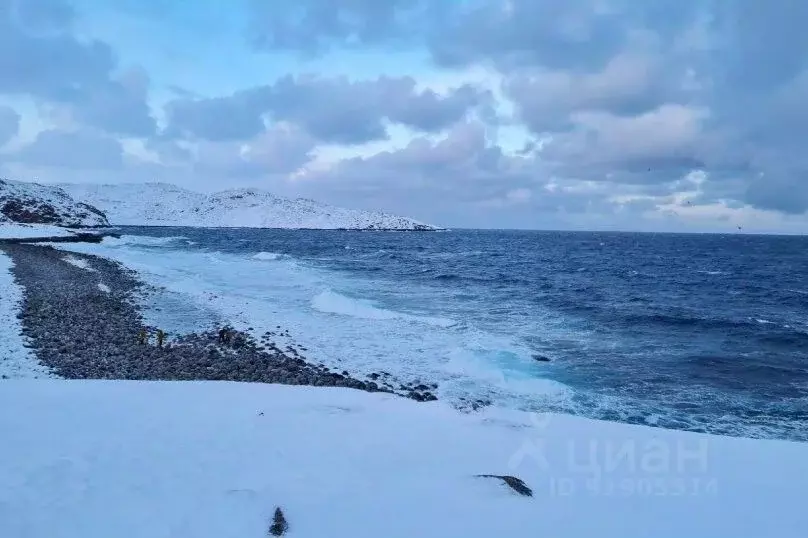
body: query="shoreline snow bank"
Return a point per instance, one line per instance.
(29, 231)
(40, 233)
(16, 360)
(210, 459)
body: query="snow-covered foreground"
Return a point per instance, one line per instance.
(15, 359)
(94, 459)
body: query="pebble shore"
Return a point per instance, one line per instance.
(81, 319)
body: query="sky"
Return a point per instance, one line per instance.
(656, 115)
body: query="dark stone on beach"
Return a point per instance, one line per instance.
(516, 484)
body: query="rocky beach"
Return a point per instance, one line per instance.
(81, 319)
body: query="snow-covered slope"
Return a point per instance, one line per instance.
(161, 204)
(100, 459)
(150, 204)
(32, 203)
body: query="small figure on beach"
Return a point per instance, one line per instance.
(160, 337)
(142, 337)
(223, 335)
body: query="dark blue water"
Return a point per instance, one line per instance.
(697, 332)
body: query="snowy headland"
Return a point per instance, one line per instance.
(24, 203)
(163, 204)
(31, 212)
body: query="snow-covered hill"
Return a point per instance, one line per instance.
(161, 204)
(32, 203)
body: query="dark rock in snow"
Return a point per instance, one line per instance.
(279, 524)
(516, 484)
(32, 203)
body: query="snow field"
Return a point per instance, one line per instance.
(93, 459)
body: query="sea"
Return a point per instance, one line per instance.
(705, 333)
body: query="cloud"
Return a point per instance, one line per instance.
(40, 58)
(602, 143)
(464, 153)
(786, 193)
(509, 33)
(76, 150)
(216, 119)
(312, 26)
(280, 150)
(438, 180)
(118, 106)
(9, 124)
(629, 83)
(617, 86)
(41, 15)
(333, 110)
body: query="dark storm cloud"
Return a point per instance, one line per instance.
(334, 110)
(784, 190)
(465, 152)
(629, 84)
(740, 66)
(236, 117)
(118, 106)
(339, 110)
(41, 58)
(464, 166)
(576, 34)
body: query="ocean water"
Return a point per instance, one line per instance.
(696, 332)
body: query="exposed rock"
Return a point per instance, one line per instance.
(279, 524)
(516, 484)
(32, 203)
